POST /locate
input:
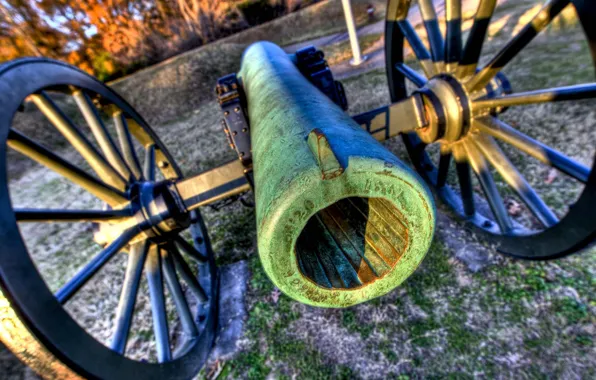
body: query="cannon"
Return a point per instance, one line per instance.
(340, 219)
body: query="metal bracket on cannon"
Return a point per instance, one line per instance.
(311, 63)
(235, 123)
(232, 100)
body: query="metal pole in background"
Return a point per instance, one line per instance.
(357, 56)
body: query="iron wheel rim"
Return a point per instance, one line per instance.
(577, 225)
(22, 283)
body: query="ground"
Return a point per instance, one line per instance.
(466, 312)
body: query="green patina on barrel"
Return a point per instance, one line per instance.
(340, 220)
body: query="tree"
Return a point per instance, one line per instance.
(24, 28)
(109, 37)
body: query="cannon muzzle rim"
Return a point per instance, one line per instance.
(391, 182)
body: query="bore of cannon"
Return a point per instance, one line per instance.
(340, 219)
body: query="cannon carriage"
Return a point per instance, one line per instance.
(340, 219)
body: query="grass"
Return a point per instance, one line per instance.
(456, 331)
(341, 51)
(431, 325)
(513, 319)
(321, 19)
(183, 83)
(282, 355)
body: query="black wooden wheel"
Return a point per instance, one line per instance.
(468, 135)
(133, 188)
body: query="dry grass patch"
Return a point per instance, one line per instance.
(180, 85)
(514, 319)
(342, 51)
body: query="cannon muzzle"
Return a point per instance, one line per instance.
(340, 220)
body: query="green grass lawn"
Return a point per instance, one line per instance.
(513, 319)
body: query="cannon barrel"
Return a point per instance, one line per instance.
(340, 220)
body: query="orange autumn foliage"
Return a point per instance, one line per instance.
(110, 38)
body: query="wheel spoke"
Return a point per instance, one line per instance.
(435, 39)
(417, 46)
(84, 275)
(453, 34)
(550, 10)
(188, 249)
(45, 215)
(71, 133)
(513, 177)
(187, 275)
(411, 74)
(444, 163)
(100, 132)
(465, 181)
(134, 270)
(576, 92)
(177, 293)
(487, 182)
(149, 168)
(158, 304)
(536, 149)
(42, 155)
(473, 47)
(126, 145)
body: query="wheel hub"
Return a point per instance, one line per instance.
(158, 211)
(448, 106)
(160, 208)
